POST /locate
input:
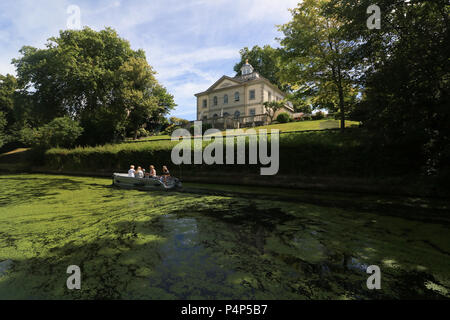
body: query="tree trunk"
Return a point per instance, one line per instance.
(342, 107)
(338, 81)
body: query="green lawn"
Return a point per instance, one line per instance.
(283, 127)
(308, 125)
(152, 138)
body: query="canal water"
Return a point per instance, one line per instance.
(131, 244)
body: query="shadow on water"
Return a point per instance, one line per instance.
(212, 254)
(35, 188)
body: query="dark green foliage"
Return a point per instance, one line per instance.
(170, 129)
(2, 129)
(60, 132)
(264, 60)
(8, 86)
(205, 127)
(329, 153)
(319, 115)
(283, 117)
(406, 96)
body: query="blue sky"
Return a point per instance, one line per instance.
(190, 43)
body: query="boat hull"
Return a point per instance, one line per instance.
(124, 181)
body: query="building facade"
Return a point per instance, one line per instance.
(239, 100)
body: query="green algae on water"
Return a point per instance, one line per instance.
(131, 244)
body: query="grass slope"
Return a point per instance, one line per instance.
(283, 127)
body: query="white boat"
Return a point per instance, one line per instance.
(124, 181)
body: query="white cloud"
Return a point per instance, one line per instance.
(6, 67)
(170, 65)
(190, 43)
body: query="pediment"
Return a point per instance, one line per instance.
(223, 83)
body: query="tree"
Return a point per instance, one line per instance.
(136, 92)
(8, 86)
(60, 132)
(272, 107)
(93, 77)
(264, 60)
(2, 129)
(315, 56)
(178, 121)
(406, 76)
(166, 103)
(17, 107)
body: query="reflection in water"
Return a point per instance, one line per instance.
(185, 260)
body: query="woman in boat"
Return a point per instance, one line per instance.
(131, 172)
(165, 174)
(152, 171)
(139, 173)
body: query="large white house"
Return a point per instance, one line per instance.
(239, 99)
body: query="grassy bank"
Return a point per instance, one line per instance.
(308, 125)
(320, 160)
(297, 126)
(327, 153)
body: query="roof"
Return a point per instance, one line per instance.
(253, 77)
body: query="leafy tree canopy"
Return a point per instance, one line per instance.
(94, 77)
(405, 75)
(2, 129)
(315, 57)
(264, 60)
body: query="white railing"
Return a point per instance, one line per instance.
(231, 122)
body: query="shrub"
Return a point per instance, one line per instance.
(283, 118)
(28, 136)
(142, 133)
(60, 132)
(170, 129)
(205, 126)
(319, 115)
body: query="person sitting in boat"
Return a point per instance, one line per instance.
(131, 172)
(139, 173)
(152, 171)
(165, 174)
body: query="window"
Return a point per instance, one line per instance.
(215, 101)
(225, 99)
(215, 116)
(252, 112)
(270, 96)
(252, 94)
(226, 114)
(205, 118)
(205, 103)
(237, 114)
(236, 96)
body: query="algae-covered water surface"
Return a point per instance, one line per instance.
(131, 244)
